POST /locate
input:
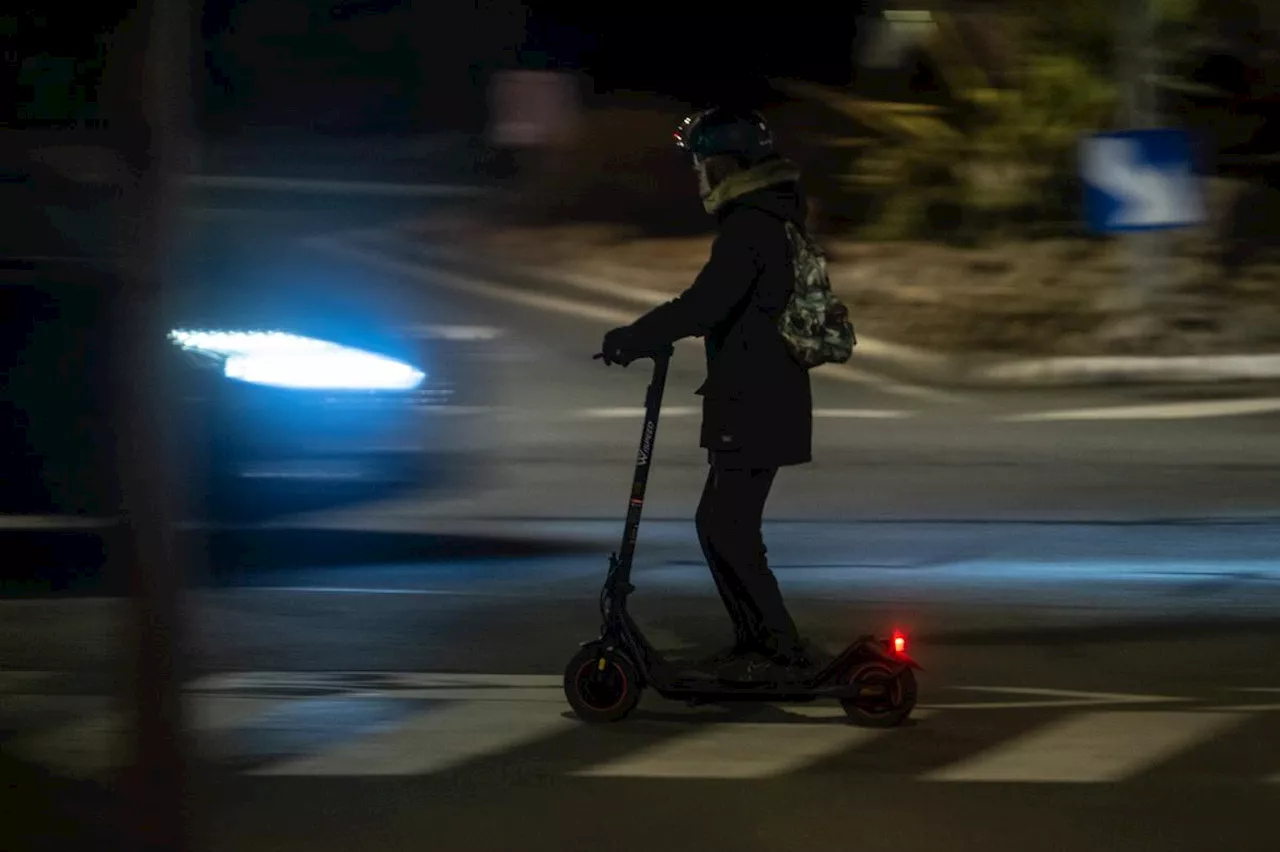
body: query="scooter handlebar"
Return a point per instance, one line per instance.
(661, 352)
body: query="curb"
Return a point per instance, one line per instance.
(931, 367)
(299, 185)
(1131, 370)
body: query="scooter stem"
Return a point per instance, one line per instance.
(644, 459)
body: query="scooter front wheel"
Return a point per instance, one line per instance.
(601, 685)
(887, 698)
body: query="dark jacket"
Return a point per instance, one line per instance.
(757, 407)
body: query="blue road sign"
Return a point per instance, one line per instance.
(1140, 180)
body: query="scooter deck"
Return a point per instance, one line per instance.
(710, 691)
(686, 681)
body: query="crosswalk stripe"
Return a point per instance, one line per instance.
(430, 742)
(335, 723)
(737, 751)
(1094, 747)
(97, 742)
(81, 749)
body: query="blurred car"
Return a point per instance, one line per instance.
(287, 420)
(309, 382)
(288, 398)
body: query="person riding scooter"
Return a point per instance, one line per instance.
(757, 408)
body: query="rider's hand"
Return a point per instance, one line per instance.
(617, 346)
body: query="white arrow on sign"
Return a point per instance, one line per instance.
(1060, 698)
(1148, 195)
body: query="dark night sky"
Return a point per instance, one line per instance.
(693, 51)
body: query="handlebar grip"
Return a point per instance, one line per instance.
(661, 352)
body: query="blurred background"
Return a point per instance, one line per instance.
(309, 477)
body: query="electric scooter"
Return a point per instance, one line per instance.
(873, 679)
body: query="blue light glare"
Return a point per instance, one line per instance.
(287, 360)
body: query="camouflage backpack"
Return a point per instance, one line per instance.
(815, 324)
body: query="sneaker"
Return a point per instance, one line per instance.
(752, 667)
(804, 656)
(731, 652)
(762, 669)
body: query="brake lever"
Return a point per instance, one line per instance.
(608, 363)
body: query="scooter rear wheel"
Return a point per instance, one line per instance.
(600, 685)
(889, 699)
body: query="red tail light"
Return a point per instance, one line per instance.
(899, 643)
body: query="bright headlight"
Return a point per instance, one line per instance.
(289, 360)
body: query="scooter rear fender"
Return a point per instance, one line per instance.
(877, 649)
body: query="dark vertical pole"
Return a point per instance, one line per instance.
(157, 778)
(1140, 314)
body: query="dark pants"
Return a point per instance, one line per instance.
(729, 520)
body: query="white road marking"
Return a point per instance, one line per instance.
(625, 412)
(1051, 698)
(212, 712)
(1089, 748)
(628, 412)
(82, 749)
(455, 332)
(99, 742)
(54, 522)
(1151, 368)
(466, 410)
(737, 750)
(861, 414)
(490, 713)
(470, 285)
(467, 284)
(431, 742)
(429, 679)
(849, 373)
(531, 694)
(1156, 411)
(373, 590)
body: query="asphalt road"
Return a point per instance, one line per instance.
(560, 437)
(1087, 681)
(1094, 601)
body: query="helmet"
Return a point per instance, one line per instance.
(720, 131)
